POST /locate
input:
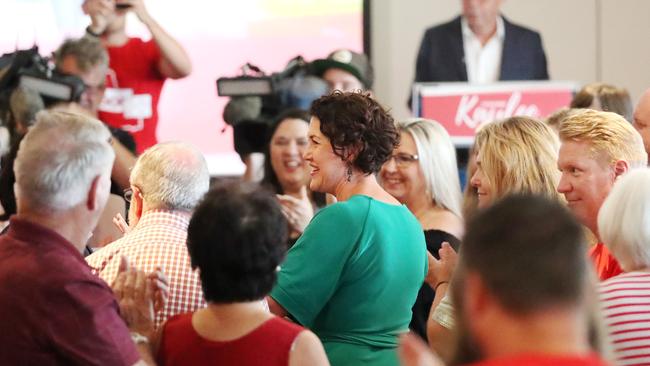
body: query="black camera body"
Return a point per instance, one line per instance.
(29, 69)
(257, 99)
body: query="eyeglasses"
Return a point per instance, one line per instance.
(128, 194)
(403, 159)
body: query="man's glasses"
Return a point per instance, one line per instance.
(128, 194)
(403, 159)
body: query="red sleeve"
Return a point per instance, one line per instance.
(152, 54)
(91, 331)
(606, 265)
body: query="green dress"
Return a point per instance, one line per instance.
(353, 277)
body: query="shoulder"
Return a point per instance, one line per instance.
(354, 209)
(307, 350)
(452, 26)
(519, 30)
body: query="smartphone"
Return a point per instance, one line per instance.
(122, 6)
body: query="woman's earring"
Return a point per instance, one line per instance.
(349, 173)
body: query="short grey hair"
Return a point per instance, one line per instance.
(624, 220)
(59, 158)
(437, 159)
(25, 103)
(87, 51)
(171, 175)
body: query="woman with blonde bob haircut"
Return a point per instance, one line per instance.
(515, 155)
(518, 154)
(624, 227)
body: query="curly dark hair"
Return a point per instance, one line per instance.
(357, 126)
(237, 237)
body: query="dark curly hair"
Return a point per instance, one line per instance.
(358, 127)
(237, 237)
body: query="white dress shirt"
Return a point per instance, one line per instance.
(483, 63)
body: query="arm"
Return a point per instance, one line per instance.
(174, 62)
(307, 350)
(140, 296)
(438, 278)
(124, 162)
(276, 308)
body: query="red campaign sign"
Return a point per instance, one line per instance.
(461, 112)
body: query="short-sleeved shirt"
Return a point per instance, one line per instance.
(605, 264)
(134, 85)
(625, 305)
(158, 240)
(53, 310)
(353, 277)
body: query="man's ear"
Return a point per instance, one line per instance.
(620, 167)
(92, 202)
(137, 201)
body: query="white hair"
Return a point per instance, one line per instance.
(437, 159)
(58, 159)
(171, 175)
(624, 220)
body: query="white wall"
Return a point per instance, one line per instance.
(585, 40)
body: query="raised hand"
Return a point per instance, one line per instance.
(441, 270)
(99, 12)
(298, 211)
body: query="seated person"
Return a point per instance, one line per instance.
(622, 223)
(236, 240)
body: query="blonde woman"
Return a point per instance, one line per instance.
(422, 174)
(515, 155)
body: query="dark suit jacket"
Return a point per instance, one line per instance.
(441, 56)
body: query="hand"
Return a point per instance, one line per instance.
(413, 352)
(298, 211)
(138, 8)
(137, 294)
(441, 270)
(120, 223)
(99, 11)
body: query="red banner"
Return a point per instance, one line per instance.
(462, 108)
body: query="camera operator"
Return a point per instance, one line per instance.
(140, 68)
(345, 70)
(87, 59)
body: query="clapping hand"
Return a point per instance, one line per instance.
(441, 270)
(298, 211)
(140, 296)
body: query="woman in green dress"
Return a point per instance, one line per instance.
(354, 274)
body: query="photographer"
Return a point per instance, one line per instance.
(140, 68)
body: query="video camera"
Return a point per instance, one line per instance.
(27, 68)
(257, 98)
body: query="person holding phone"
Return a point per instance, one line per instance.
(137, 70)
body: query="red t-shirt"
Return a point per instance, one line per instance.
(606, 265)
(269, 344)
(53, 309)
(133, 89)
(543, 360)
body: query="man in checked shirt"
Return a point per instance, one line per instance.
(167, 182)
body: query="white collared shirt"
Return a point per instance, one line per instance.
(483, 63)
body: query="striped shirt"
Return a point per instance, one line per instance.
(158, 240)
(625, 301)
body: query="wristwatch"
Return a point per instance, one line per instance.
(138, 338)
(91, 33)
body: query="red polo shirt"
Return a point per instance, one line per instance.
(53, 310)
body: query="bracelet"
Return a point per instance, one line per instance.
(138, 338)
(91, 33)
(438, 285)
